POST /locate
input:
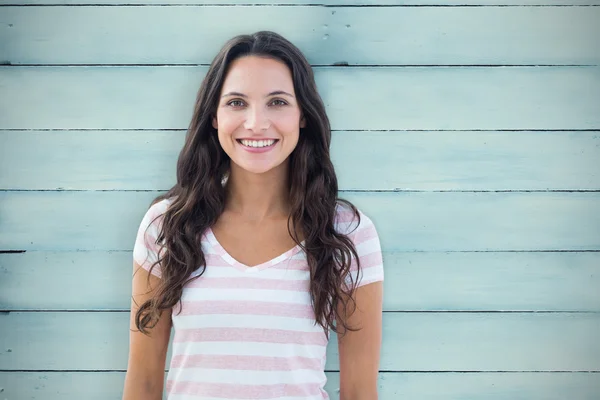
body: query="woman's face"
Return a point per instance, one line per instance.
(258, 118)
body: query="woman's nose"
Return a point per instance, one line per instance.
(257, 120)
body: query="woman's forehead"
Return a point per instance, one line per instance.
(258, 75)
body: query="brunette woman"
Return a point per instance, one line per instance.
(251, 259)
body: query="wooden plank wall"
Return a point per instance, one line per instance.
(469, 130)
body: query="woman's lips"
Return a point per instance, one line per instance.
(257, 149)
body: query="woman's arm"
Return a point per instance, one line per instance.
(360, 350)
(147, 354)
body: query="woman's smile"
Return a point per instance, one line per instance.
(254, 144)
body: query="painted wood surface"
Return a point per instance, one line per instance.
(404, 385)
(327, 35)
(523, 281)
(452, 98)
(413, 160)
(315, 3)
(412, 341)
(492, 295)
(422, 221)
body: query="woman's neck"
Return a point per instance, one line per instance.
(257, 197)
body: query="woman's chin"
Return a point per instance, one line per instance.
(258, 168)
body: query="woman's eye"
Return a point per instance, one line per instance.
(278, 102)
(236, 103)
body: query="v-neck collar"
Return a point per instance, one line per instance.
(212, 239)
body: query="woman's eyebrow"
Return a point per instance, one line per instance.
(280, 92)
(234, 94)
(277, 92)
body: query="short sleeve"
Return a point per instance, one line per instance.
(368, 248)
(146, 249)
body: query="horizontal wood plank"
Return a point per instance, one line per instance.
(434, 221)
(391, 386)
(445, 98)
(313, 3)
(411, 341)
(413, 281)
(327, 35)
(101, 160)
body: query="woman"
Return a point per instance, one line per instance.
(251, 257)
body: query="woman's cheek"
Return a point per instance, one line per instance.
(229, 123)
(288, 123)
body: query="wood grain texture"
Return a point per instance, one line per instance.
(392, 386)
(413, 281)
(467, 287)
(444, 98)
(145, 160)
(433, 221)
(327, 35)
(315, 3)
(411, 341)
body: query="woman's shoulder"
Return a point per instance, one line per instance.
(348, 221)
(155, 212)
(159, 207)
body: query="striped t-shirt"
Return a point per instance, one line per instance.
(250, 332)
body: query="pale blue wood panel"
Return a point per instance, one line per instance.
(410, 221)
(413, 281)
(392, 386)
(525, 98)
(354, 35)
(411, 341)
(317, 3)
(146, 160)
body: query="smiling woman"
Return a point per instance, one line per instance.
(258, 113)
(252, 257)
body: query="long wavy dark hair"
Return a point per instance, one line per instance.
(198, 197)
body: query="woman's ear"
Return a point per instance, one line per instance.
(214, 122)
(302, 122)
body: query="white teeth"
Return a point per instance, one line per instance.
(257, 143)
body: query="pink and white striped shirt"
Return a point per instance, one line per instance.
(250, 332)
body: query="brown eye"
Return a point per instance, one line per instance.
(278, 102)
(235, 103)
